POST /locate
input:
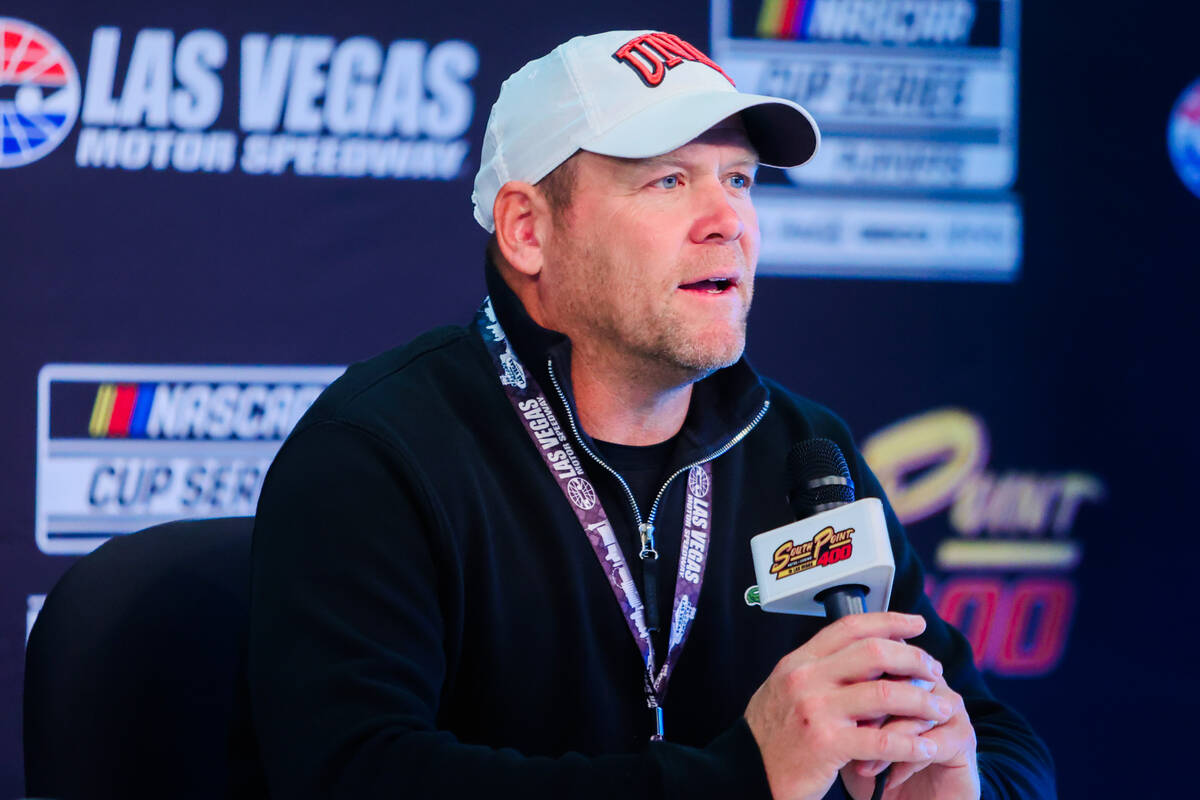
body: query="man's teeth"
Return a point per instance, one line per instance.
(711, 285)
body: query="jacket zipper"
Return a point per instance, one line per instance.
(646, 529)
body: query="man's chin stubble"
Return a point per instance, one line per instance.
(694, 362)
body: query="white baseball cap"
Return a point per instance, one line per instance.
(633, 94)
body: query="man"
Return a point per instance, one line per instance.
(468, 577)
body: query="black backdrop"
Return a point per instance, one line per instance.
(1077, 366)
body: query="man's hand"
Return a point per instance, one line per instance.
(951, 774)
(805, 717)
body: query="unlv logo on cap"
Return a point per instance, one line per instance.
(652, 54)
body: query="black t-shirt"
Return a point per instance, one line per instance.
(644, 468)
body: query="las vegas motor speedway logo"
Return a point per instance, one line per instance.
(39, 93)
(306, 105)
(121, 448)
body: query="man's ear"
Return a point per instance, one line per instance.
(522, 221)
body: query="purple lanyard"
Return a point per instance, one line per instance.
(536, 415)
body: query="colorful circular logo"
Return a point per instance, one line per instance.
(1183, 137)
(39, 93)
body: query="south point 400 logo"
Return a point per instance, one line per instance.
(39, 93)
(157, 99)
(828, 546)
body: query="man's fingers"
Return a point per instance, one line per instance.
(955, 739)
(868, 744)
(867, 659)
(877, 624)
(910, 726)
(871, 699)
(913, 726)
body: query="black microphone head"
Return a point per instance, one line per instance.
(819, 477)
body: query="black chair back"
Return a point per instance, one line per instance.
(135, 673)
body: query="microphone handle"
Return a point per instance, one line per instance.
(842, 601)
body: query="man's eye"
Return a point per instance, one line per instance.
(739, 181)
(669, 182)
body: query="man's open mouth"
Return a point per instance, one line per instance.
(710, 285)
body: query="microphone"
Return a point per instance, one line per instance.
(820, 481)
(836, 559)
(836, 556)
(819, 476)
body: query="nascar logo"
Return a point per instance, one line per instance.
(198, 411)
(39, 93)
(875, 21)
(123, 447)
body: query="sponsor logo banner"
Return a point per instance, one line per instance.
(1004, 573)
(124, 447)
(888, 237)
(305, 105)
(917, 105)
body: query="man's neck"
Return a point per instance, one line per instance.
(624, 403)
(622, 400)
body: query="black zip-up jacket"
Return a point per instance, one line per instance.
(429, 620)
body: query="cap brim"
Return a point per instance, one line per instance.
(782, 132)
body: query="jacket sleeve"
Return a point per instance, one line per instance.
(348, 643)
(1013, 761)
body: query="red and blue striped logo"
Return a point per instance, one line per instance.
(39, 93)
(784, 19)
(121, 410)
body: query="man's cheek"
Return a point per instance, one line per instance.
(751, 235)
(750, 248)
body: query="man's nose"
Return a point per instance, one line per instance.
(716, 217)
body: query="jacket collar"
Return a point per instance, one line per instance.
(722, 405)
